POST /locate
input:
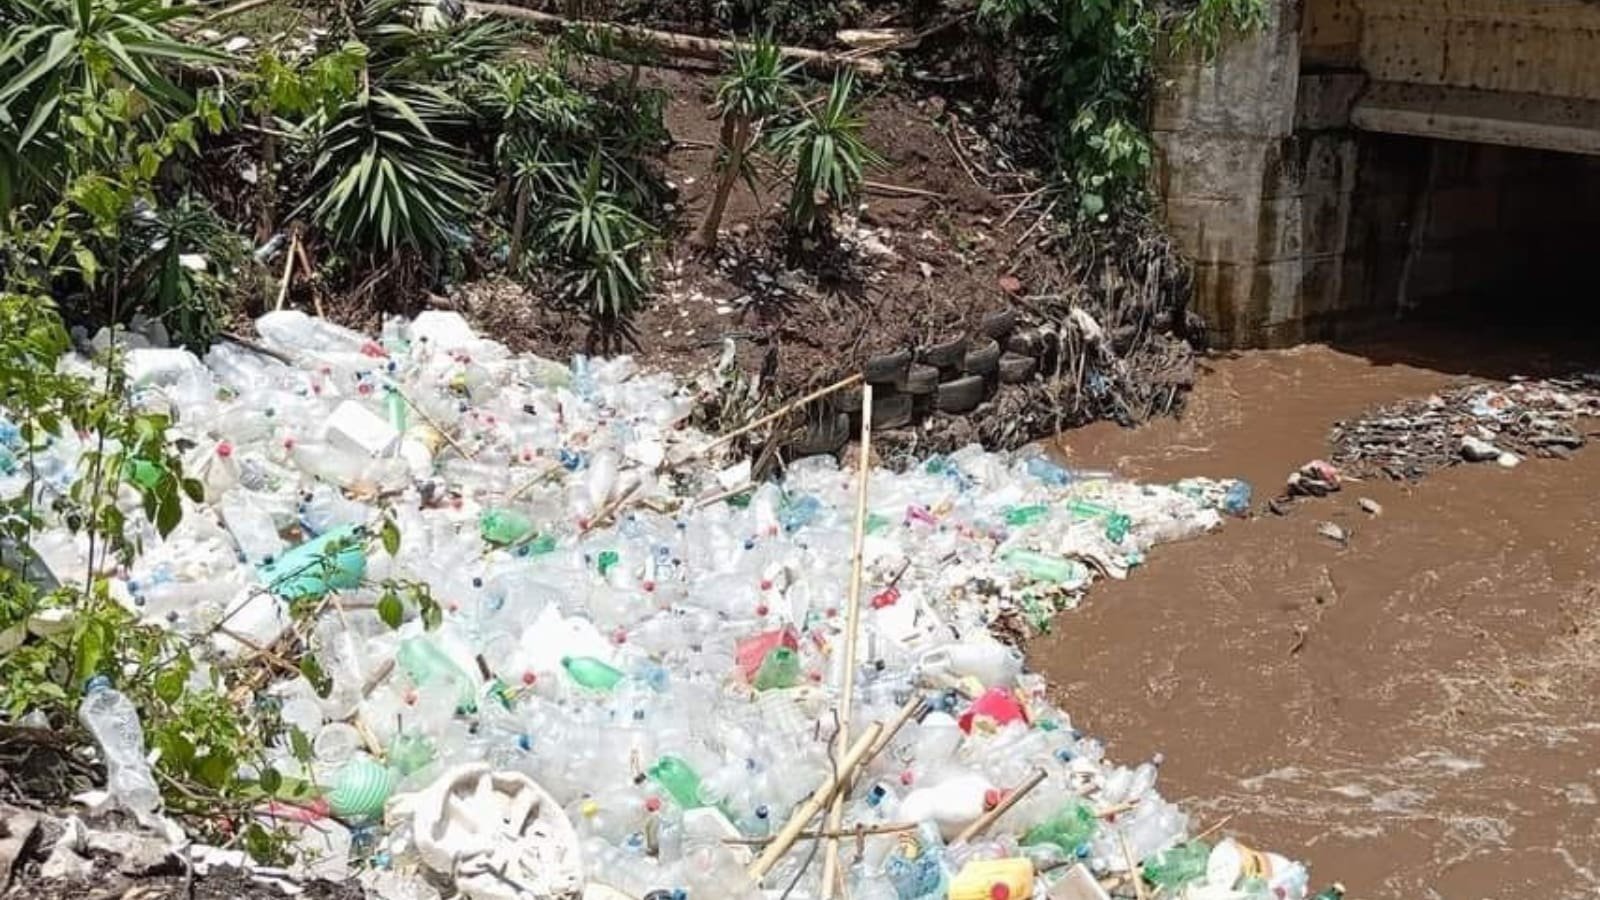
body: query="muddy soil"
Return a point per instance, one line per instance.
(1414, 714)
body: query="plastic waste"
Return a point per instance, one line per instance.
(111, 718)
(665, 676)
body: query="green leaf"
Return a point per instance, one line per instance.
(169, 510)
(93, 641)
(312, 670)
(194, 490)
(169, 684)
(390, 609)
(300, 745)
(271, 780)
(432, 615)
(390, 535)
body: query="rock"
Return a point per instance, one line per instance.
(1333, 532)
(64, 864)
(1508, 460)
(18, 826)
(136, 853)
(1369, 506)
(1475, 449)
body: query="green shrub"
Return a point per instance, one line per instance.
(828, 155)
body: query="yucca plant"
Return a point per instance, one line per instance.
(52, 48)
(384, 179)
(828, 155)
(391, 163)
(602, 242)
(754, 89)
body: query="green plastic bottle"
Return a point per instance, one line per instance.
(1117, 524)
(539, 546)
(680, 781)
(1070, 828)
(1333, 891)
(591, 673)
(501, 526)
(607, 560)
(1026, 515)
(395, 406)
(1176, 866)
(1043, 567)
(779, 669)
(427, 665)
(336, 560)
(410, 752)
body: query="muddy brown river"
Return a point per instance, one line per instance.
(1414, 714)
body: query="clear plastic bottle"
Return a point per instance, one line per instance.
(111, 719)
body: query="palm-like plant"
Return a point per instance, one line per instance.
(754, 88)
(384, 178)
(830, 158)
(53, 48)
(389, 170)
(603, 241)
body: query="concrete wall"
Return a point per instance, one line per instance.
(1300, 224)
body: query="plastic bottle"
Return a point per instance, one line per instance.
(796, 513)
(1072, 827)
(114, 723)
(1042, 567)
(1047, 471)
(1026, 515)
(503, 526)
(594, 674)
(430, 667)
(1333, 891)
(252, 529)
(1236, 500)
(1177, 866)
(1117, 524)
(780, 669)
(916, 866)
(679, 780)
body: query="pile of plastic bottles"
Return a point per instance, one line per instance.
(658, 647)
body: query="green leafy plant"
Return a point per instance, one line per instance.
(1086, 68)
(1206, 25)
(754, 88)
(603, 243)
(384, 176)
(53, 48)
(379, 111)
(828, 155)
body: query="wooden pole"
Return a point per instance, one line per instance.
(982, 823)
(847, 693)
(675, 44)
(779, 413)
(815, 803)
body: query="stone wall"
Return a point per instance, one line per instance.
(1303, 226)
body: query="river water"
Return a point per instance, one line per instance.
(1416, 714)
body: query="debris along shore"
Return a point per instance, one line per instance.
(559, 646)
(1473, 423)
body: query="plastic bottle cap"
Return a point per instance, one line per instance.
(528, 678)
(652, 804)
(589, 809)
(766, 584)
(991, 798)
(761, 609)
(224, 449)
(1000, 891)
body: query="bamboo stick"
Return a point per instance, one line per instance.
(815, 803)
(982, 823)
(782, 411)
(883, 828)
(675, 44)
(847, 695)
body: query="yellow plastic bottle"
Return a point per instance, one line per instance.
(994, 879)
